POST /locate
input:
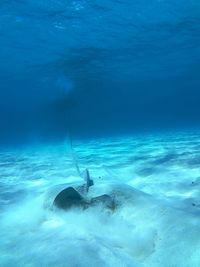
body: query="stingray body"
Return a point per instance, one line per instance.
(77, 195)
(74, 195)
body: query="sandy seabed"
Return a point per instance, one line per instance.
(157, 223)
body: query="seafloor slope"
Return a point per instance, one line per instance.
(157, 223)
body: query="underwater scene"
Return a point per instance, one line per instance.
(99, 133)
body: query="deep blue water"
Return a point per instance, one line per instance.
(121, 79)
(97, 67)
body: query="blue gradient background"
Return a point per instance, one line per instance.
(97, 68)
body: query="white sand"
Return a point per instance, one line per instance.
(157, 225)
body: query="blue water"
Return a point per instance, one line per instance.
(121, 79)
(98, 67)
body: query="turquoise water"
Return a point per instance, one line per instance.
(119, 81)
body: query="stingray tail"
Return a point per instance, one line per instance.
(85, 175)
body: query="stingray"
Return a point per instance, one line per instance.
(76, 195)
